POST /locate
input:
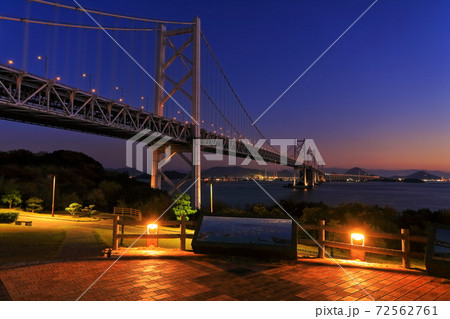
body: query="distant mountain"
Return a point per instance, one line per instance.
(389, 173)
(357, 171)
(422, 175)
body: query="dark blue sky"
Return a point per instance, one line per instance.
(378, 99)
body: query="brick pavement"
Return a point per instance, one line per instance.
(185, 276)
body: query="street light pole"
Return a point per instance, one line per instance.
(121, 91)
(211, 195)
(45, 65)
(53, 196)
(146, 102)
(90, 79)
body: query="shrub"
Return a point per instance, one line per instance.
(88, 211)
(34, 204)
(74, 208)
(8, 217)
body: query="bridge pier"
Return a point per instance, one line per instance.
(155, 179)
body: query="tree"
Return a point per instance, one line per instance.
(34, 204)
(74, 208)
(183, 206)
(88, 211)
(12, 198)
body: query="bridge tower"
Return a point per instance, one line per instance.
(307, 172)
(162, 96)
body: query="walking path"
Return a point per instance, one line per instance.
(178, 275)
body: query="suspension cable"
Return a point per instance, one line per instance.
(108, 13)
(71, 25)
(229, 84)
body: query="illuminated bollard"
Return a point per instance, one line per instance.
(152, 229)
(357, 240)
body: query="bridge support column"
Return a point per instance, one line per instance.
(196, 120)
(155, 179)
(305, 176)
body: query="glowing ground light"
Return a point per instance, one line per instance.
(357, 239)
(152, 229)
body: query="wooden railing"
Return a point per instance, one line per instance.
(125, 211)
(404, 237)
(182, 235)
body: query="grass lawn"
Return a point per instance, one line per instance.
(20, 244)
(58, 214)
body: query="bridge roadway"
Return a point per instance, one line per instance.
(28, 98)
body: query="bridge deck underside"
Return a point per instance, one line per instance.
(31, 99)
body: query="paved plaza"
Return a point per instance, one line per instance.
(178, 275)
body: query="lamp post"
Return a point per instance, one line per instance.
(45, 65)
(90, 79)
(152, 229)
(146, 99)
(357, 239)
(211, 195)
(121, 94)
(10, 62)
(53, 196)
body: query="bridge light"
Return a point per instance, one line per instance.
(58, 78)
(39, 57)
(142, 107)
(93, 90)
(120, 100)
(117, 87)
(10, 62)
(142, 97)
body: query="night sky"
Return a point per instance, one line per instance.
(380, 98)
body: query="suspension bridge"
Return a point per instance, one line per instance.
(193, 98)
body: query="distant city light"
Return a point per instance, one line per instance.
(58, 78)
(10, 62)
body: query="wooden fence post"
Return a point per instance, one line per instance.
(406, 249)
(183, 233)
(115, 243)
(321, 239)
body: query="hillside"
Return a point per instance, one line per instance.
(357, 171)
(79, 178)
(422, 175)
